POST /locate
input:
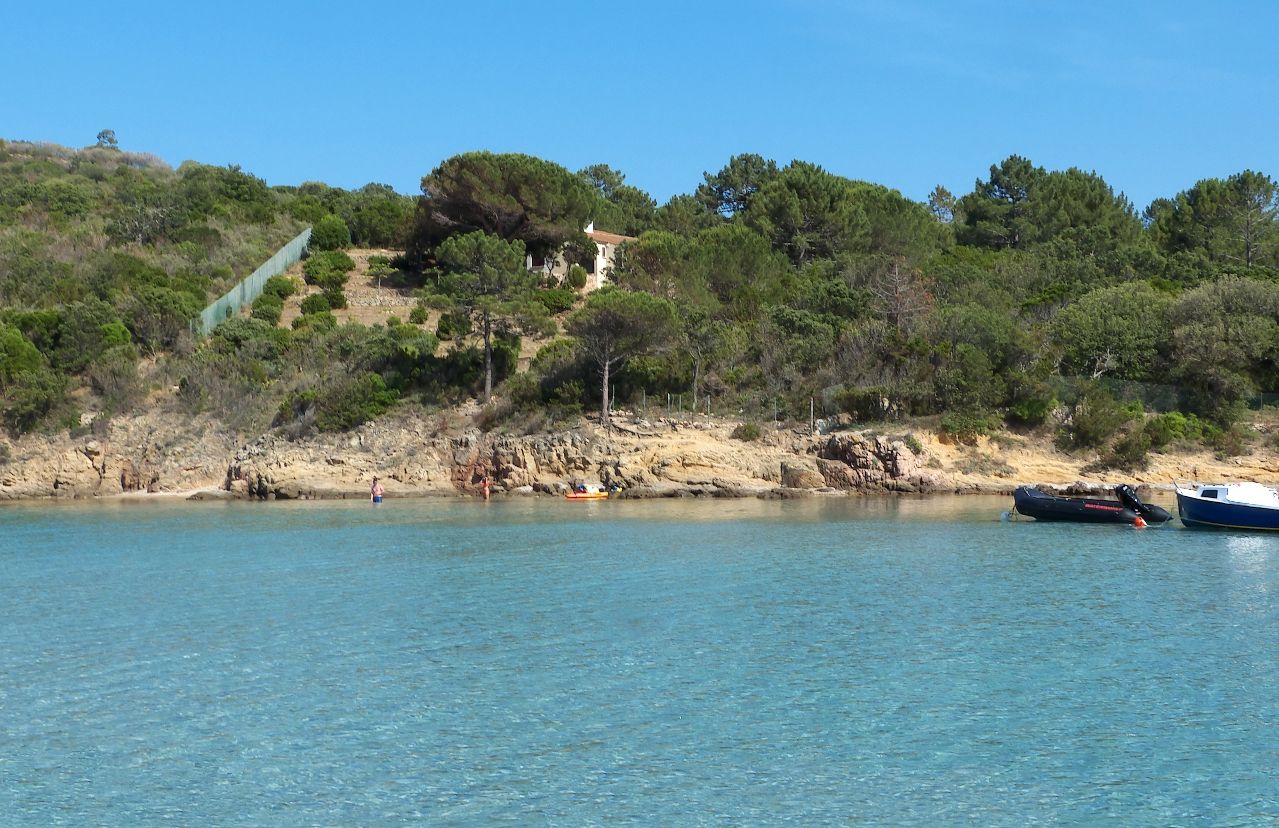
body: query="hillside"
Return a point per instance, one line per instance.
(1037, 328)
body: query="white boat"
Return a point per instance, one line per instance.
(1229, 506)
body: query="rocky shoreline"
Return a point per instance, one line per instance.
(664, 458)
(415, 456)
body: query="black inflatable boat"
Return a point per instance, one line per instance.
(1126, 509)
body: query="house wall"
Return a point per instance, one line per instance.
(604, 257)
(597, 273)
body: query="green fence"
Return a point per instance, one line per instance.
(251, 288)
(1155, 397)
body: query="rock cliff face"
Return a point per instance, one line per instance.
(854, 461)
(143, 454)
(169, 454)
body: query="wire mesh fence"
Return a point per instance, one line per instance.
(250, 289)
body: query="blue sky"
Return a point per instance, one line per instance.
(1151, 95)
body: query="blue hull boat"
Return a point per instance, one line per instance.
(1229, 506)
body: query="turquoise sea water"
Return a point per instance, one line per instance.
(538, 662)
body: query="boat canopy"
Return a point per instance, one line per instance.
(1251, 494)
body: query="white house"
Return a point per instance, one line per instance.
(596, 270)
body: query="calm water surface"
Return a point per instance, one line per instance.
(885, 662)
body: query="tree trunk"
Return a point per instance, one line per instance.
(697, 370)
(488, 360)
(604, 420)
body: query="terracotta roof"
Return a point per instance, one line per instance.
(608, 238)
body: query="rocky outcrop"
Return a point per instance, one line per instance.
(800, 474)
(138, 477)
(61, 469)
(342, 466)
(854, 461)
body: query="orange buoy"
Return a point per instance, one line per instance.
(1140, 522)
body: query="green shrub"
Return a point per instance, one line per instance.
(506, 356)
(30, 398)
(114, 376)
(1096, 418)
(339, 260)
(328, 269)
(269, 308)
(567, 395)
(330, 281)
(315, 303)
(66, 196)
(1189, 425)
(249, 340)
(1031, 412)
(157, 316)
(1129, 452)
(557, 300)
(330, 233)
(202, 236)
(576, 277)
(453, 325)
(1226, 413)
(280, 286)
(523, 391)
(1173, 427)
(348, 404)
(1230, 442)
(966, 380)
(335, 298)
(17, 355)
(307, 209)
(1160, 432)
(41, 327)
(965, 427)
(296, 405)
(554, 356)
(420, 314)
(748, 432)
(116, 333)
(85, 330)
(317, 322)
(1030, 401)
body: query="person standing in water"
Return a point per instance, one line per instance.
(375, 494)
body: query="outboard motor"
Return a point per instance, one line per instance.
(1149, 512)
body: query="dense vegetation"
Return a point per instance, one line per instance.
(106, 256)
(1041, 299)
